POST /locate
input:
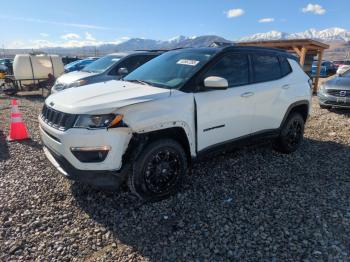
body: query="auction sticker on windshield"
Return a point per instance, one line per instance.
(187, 62)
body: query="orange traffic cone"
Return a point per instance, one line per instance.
(18, 130)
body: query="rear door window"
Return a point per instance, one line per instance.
(266, 68)
(233, 67)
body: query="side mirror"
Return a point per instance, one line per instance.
(123, 71)
(215, 82)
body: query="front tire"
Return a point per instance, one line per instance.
(291, 135)
(325, 107)
(159, 170)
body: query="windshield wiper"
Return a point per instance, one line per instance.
(139, 81)
(149, 83)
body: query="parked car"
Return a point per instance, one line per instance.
(177, 107)
(110, 67)
(327, 69)
(335, 92)
(69, 59)
(8, 63)
(338, 63)
(3, 72)
(341, 62)
(79, 64)
(342, 69)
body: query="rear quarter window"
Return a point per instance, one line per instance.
(266, 68)
(286, 69)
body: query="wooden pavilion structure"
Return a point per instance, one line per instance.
(304, 48)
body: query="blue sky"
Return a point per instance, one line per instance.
(77, 22)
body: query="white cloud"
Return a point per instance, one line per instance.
(70, 36)
(267, 20)
(34, 20)
(234, 13)
(125, 38)
(16, 44)
(41, 43)
(314, 8)
(89, 37)
(66, 43)
(44, 35)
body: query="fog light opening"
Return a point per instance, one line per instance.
(91, 154)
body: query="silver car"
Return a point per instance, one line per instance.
(335, 92)
(110, 67)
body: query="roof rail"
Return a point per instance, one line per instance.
(262, 48)
(152, 50)
(161, 50)
(221, 44)
(256, 48)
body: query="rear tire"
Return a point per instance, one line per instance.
(159, 170)
(291, 135)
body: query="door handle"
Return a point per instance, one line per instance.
(247, 94)
(285, 86)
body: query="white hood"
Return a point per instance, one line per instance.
(73, 76)
(103, 98)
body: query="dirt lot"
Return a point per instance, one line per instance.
(249, 204)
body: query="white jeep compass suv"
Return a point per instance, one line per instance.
(147, 128)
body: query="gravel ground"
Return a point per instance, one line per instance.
(249, 204)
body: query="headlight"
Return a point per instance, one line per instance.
(78, 83)
(58, 86)
(99, 121)
(323, 87)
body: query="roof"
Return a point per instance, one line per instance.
(126, 53)
(289, 43)
(233, 48)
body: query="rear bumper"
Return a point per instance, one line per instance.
(104, 179)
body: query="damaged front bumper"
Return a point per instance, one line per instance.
(79, 153)
(104, 179)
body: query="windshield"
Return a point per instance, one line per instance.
(172, 69)
(72, 64)
(102, 64)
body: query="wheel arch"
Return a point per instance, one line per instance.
(301, 107)
(140, 139)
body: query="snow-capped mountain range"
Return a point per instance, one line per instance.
(330, 34)
(334, 36)
(326, 35)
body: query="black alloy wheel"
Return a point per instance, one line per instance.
(162, 170)
(159, 170)
(295, 132)
(291, 134)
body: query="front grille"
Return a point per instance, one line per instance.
(56, 119)
(338, 93)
